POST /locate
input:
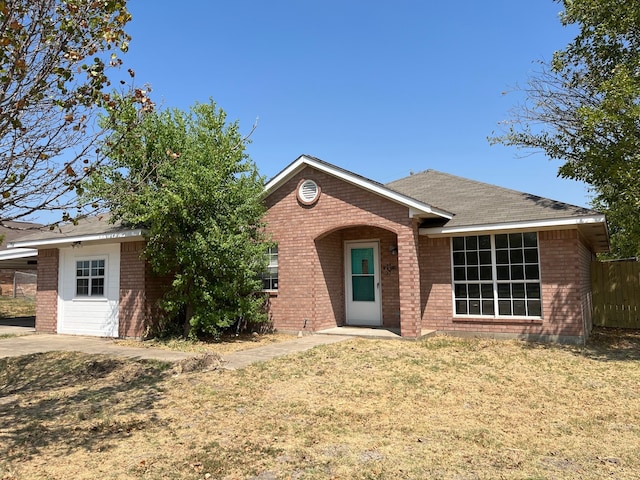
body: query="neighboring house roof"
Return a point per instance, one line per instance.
(416, 207)
(12, 231)
(95, 229)
(17, 258)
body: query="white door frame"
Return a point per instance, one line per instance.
(363, 312)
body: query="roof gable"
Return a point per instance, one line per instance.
(416, 207)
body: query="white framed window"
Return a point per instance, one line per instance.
(497, 275)
(270, 277)
(90, 278)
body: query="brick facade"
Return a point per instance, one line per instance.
(25, 282)
(585, 257)
(416, 283)
(311, 253)
(47, 291)
(132, 311)
(566, 291)
(140, 292)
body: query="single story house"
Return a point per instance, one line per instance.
(431, 251)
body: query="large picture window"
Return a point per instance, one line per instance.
(497, 275)
(270, 277)
(90, 278)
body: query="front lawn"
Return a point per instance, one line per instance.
(362, 409)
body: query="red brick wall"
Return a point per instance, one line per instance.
(560, 273)
(156, 287)
(585, 258)
(6, 283)
(26, 282)
(310, 250)
(47, 291)
(329, 283)
(409, 280)
(140, 291)
(435, 274)
(132, 290)
(565, 290)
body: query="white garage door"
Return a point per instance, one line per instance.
(89, 290)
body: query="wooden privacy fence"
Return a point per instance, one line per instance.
(616, 294)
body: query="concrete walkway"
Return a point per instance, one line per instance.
(28, 344)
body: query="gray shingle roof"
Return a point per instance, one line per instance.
(477, 203)
(86, 227)
(13, 231)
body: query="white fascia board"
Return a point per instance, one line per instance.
(285, 174)
(529, 225)
(416, 208)
(126, 235)
(16, 253)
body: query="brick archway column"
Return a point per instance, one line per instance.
(409, 277)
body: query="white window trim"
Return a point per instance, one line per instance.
(277, 265)
(494, 281)
(89, 297)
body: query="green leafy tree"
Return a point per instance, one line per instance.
(185, 177)
(583, 108)
(55, 56)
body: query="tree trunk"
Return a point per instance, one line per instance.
(187, 321)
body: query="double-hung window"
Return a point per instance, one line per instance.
(90, 278)
(270, 277)
(497, 275)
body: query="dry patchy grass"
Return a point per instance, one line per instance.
(362, 409)
(17, 307)
(227, 343)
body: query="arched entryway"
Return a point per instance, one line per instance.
(357, 282)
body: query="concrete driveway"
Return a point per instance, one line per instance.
(27, 344)
(24, 341)
(38, 343)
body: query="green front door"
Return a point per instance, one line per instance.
(363, 283)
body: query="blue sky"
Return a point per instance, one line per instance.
(379, 88)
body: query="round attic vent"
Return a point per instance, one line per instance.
(308, 192)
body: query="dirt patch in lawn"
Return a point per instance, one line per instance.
(362, 409)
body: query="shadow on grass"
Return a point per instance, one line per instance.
(609, 344)
(74, 401)
(26, 322)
